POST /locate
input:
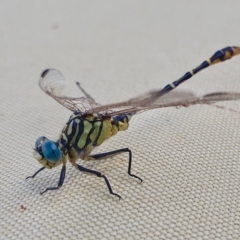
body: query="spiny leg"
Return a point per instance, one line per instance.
(119, 151)
(60, 183)
(98, 174)
(219, 56)
(34, 175)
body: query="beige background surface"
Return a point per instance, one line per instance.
(188, 157)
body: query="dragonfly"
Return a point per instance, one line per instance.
(92, 123)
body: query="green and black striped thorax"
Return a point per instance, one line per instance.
(83, 132)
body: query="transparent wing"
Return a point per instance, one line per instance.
(173, 99)
(52, 82)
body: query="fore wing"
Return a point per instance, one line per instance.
(173, 99)
(52, 82)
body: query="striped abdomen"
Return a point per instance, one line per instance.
(219, 56)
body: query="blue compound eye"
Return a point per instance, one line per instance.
(39, 141)
(38, 144)
(51, 151)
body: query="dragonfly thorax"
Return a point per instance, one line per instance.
(82, 133)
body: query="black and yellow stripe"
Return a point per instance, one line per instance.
(85, 132)
(219, 56)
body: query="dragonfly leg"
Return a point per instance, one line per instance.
(34, 175)
(98, 174)
(60, 183)
(87, 95)
(119, 151)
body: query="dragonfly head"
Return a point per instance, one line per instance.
(47, 150)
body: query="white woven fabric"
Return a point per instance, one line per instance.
(188, 157)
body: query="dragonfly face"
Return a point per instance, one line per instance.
(47, 151)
